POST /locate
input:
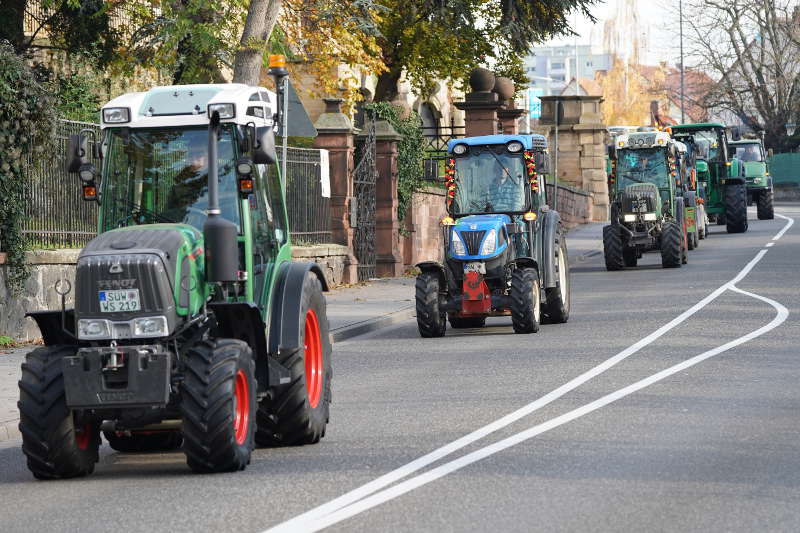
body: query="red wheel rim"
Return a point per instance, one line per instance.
(241, 407)
(313, 359)
(83, 436)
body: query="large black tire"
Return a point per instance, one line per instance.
(671, 245)
(764, 206)
(431, 319)
(160, 441)
(458, 322)
(218, 403)
(612, 247)
(736, 208)
(298, 413)
(721, 220)
(54, 447)
(526, 309)
(630, 257)
(556, 309)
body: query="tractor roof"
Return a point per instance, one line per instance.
(186, 105)
(529, 142)
(643, 139)
(698, 126)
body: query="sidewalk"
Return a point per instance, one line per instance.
(352, 311)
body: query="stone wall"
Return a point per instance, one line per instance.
(49, 266)
(423, 233)
(574, 205)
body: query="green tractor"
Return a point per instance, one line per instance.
(191, 327)
(648, 211)
(759, 183)
(719, 173)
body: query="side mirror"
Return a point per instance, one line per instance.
(77, 153)
(264, 150)
(770, 152)
(735, 133)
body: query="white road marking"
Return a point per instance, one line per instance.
(770, 244)
(457, 464)
(785, 228)
(300, 522)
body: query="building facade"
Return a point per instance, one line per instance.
(550, 68)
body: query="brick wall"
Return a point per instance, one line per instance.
(422, 238)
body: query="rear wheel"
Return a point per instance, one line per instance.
(736, 208)
(161, 441)
(431, 320)
(612, 247)
(764, 206)
(298, 413)
(56, 442)
(458, 322)
(219, 406)
(671, 245)
(556, 309)
(525, 300)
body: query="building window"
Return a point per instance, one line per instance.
(589, 64)
(557, 66)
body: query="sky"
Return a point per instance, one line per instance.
(654, 20)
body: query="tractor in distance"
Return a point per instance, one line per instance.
(505, 252)
(191, 327)
(719, 172)
(648, 208)
(759, 183)
(693, 201)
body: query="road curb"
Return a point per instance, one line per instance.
(372, 324)
(9, 430)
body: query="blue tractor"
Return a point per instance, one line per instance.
(505, 253)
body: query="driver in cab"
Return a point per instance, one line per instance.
(503, 193)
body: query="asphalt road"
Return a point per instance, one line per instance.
(669, 402)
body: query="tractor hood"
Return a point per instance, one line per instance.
(481, 236)
(755, 169)
(140, 271)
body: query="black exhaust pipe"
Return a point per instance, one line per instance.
(220, 235)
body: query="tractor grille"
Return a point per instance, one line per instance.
(472, 240)
(640, 197)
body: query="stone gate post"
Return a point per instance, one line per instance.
(389, 259)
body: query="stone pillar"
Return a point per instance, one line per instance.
(581, 146)
(336, 134)
(389, 258)
(508, 120)
(481, 105)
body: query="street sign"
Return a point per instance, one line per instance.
(534, 104)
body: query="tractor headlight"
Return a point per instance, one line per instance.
(89, 329)
(629, 217)
(224, 110)
(151, 326)
(116, 115)
(458, 245)
(650, 217)
(489, 243)
(460, 149)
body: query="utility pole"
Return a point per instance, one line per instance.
(680, 15)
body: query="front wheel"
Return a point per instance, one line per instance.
(525, 300)
(431, 319)
(765, 209)
(218, 403)
(612, 247)
(55, 440)
(671, 245)
(736, 208)
(556, 309)
(299, 412)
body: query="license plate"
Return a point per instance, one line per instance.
(475, 266)
(119, 301)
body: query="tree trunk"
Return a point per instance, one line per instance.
(12, 13)
(261, 18)
(386, 88)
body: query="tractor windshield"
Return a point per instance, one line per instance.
(489, 181)
(161, 175)
(643, 165)
(749, 152)
(707, 142)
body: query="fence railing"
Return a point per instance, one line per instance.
(57, 216)
(309, 211)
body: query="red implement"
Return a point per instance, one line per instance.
(477, 299)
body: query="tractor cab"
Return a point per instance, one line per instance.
(645, 163)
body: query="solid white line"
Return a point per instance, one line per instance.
(785, 228)
(770, 244)
(296, 523)
(457, 464)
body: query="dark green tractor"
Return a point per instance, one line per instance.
(192, 327)
(648, 209)
(759, 182)
(719, 172)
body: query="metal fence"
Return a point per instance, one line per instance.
(436, 138)
(57, 216)
(309, 212)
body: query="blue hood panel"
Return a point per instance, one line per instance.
(480, 223)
